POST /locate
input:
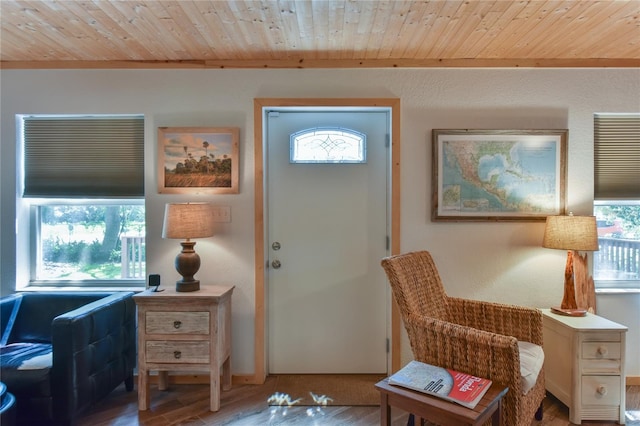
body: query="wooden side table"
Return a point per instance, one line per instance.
(438, 410)
(584, 365)
(187, 331)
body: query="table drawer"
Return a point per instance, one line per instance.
(601, 366)
(158, 322)
(600, 390)
(178, 352)
(601, 350)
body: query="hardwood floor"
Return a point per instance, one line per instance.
(246, 405)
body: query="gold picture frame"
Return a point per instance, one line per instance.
(198, 160)
(498, 175)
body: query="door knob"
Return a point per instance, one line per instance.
(276, 264)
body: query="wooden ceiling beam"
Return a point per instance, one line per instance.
(330, 63)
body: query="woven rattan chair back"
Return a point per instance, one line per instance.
(473, 336)
(416, 285)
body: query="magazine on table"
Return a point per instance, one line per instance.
(461, 388)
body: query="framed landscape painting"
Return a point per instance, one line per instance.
(198, 160)
(498, 175)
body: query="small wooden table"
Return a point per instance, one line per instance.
(188, 331)
(438, 410)
(584, 365)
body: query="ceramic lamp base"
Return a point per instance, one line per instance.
(182, 286)
(187, 264)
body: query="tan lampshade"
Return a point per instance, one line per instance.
(187, 220)
(571, 233)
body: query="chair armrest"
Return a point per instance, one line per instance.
(93, 351)
(481, 353)
(9, 306)
(521, 322)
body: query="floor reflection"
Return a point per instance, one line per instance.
(283, 399)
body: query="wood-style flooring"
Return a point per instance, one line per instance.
(246, 405)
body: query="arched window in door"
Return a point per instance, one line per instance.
(328, 145)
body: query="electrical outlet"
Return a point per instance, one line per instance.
(221, 213)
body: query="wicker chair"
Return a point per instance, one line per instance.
(479, 338)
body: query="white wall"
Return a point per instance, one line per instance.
(501, 262)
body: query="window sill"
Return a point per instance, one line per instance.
(79, 289)
(618, 290)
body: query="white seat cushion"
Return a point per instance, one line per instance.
(531, 361)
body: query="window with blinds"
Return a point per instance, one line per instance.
(617, 200)
(83, 178)
(617, 156)
(83, 156)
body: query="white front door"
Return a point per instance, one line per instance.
(327, 229)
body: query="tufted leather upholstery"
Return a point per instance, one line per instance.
(92, 337)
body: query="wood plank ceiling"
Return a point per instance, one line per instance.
(318, 33)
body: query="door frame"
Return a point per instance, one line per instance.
(259, 111)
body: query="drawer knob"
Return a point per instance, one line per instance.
(602, 390)
(177, 324)
(602, 350)
(177, 354)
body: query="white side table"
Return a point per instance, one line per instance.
(189, 331)
(584, 365)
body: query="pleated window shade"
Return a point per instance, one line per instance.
(617, 156)
(94, 157)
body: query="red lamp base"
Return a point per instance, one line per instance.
(568, 306)
(569, 311)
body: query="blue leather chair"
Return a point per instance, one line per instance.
(61, 352)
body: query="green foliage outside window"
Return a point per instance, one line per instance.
(626, 216)
(84, 241)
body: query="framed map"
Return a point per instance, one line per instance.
(498, 175)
